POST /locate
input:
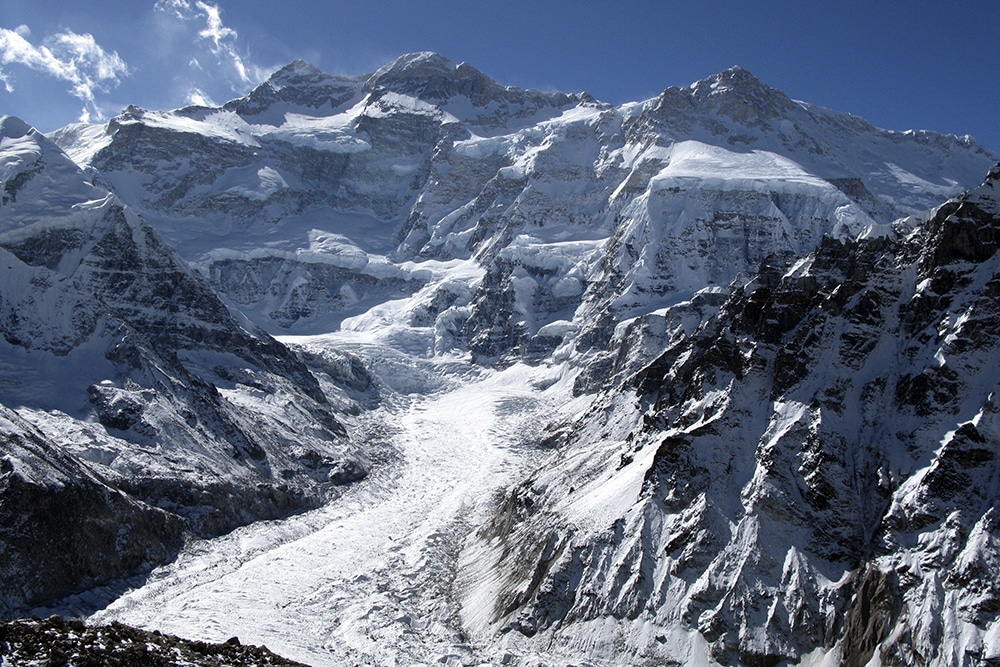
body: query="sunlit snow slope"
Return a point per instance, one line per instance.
(316, 197)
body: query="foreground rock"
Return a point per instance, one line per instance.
(57, 642)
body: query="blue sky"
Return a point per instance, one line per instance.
(902, 65)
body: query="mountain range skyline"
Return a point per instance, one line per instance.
(889, 64)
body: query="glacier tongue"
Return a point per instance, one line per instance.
(368, 578)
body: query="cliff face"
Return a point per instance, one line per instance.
(61, 524)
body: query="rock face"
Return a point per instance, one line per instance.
(328, 166)
(61, 525)
(813, 468)
(141, 389)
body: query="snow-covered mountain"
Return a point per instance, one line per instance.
(774, 439)
(310, 199)
(135, 388)
(809, 475)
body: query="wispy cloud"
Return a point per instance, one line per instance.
(76, 59)
(216, 46)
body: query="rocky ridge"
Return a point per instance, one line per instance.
(55, 641)
(812, 469)
(140, 399)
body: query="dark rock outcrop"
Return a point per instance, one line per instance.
(55, 641)
(63, 529)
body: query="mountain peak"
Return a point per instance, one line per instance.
(300, 86)
(13, 127)
(431, 76)
(416, 64)
(735, 93)
(300, 74)
(296, 71)
(736, 79)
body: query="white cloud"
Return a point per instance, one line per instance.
(216, 42)
(67, 56)
(215, 31)
(181, 9)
